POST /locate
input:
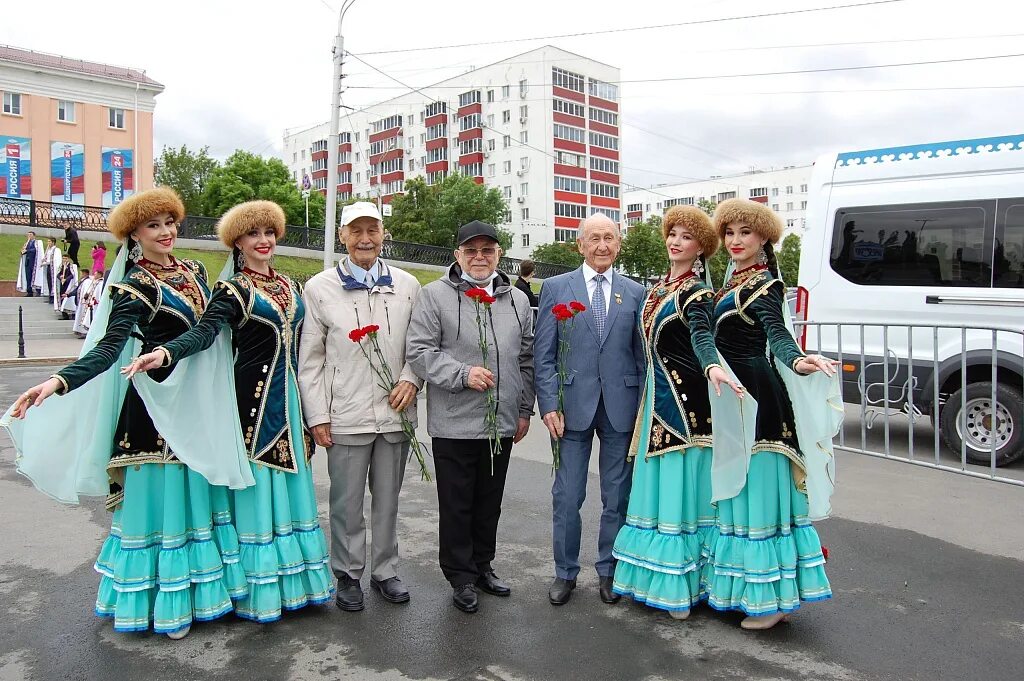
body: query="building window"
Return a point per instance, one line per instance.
(490, 120)
(320, 164)
(523, 187)
(490, 144)
(685, 201)
(758, 191)
(524, 111)
(525, 215)
(789, 205)
(775, 207)
(790, 224)
(357, 157)
(602, 116)
(523, 88)
(65, 111)
(386, 123)
(303, 152)
(471, 97)
(295, 157)
(566, 80)
(604, 141)
(359, 178)
(12, 103)
(507, 191)
(472, 146)
(357, 138)
(803, 205)
(490, 96)
(789, 189)
(524, 137)
(565, 235)
(570, 159)
(437, 131)
(524, 162)
(435, 108)
(570, 184)
(570, 210)
(568, 132)
(506, 141)
(608, 191)
(603, 90)
(775, 191)
(613, 214)
(803, 189)
(116, 120)
(567, 107)
(469, 122)
(526, 237)
(506, 167)
(490, 169)
(604, 165)
(435, 155)
(506, 116)
(504, 91)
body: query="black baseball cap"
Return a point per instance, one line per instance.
(474, 229)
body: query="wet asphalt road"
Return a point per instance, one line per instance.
(912, 601)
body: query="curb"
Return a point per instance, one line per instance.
(35, 361)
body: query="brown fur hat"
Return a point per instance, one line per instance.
(142, 206)
(695, 220)
(757, 216)
(247, 216)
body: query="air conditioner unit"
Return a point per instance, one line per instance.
(522, 93)
(520, 172)
(521, 199)
(522, 119)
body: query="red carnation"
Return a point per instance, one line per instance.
(577, 307)
(561, 312)
(356, 335)
(477, 294)
(372, 328)
(824, 552)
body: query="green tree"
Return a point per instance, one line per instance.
(432, 214)
(643, 249)
(187, 172)
(789, 259)
(246, 176)
(558, 253)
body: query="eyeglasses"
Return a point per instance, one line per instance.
(487, 252)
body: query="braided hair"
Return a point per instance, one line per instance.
(773, 261)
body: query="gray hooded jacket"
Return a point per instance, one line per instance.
(443, 343)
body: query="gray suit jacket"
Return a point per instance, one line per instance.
(613, 369)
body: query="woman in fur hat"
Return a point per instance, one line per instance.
(773, 466)
(660, 549)
(283, 550)
(172, 554)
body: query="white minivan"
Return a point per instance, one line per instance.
(912, 270)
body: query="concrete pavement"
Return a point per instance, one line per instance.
(926, 567)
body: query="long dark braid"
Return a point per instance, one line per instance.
(773, 262)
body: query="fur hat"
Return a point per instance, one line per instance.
(757, 216)
(695, 220)
(247, 216)
(142, 206)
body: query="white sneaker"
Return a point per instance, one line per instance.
(762, 622)
(679, 614)
(180, 634)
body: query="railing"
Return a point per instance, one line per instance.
(949, 397)
(90, 218)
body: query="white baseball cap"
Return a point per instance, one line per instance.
(359, 209)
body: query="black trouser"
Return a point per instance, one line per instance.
(73, 252)
(469, 505)
(49, 281)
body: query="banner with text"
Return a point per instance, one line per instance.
(16, 160)
(118, 176)
(67, 173)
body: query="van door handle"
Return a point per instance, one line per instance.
(974, 300)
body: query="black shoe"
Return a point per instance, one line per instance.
(490, 583)
(465, 598)
(391, 590)
(561, 591)
(607, 595)
(350, 595)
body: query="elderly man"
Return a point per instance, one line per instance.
(606, 370)
(444, 350)
(350, 414)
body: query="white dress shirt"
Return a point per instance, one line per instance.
(588, 276)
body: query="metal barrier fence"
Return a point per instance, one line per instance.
(968, 381)
(91, 218)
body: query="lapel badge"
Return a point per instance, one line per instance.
(618, 298)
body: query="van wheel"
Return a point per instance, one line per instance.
(981, 429)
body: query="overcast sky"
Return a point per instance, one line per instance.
(237, 74)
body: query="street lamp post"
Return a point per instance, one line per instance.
(331, 218)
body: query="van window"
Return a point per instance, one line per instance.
(1009, 254)
(923, 244)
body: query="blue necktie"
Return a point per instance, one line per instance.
(598, 306)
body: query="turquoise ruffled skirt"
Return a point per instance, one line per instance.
(172, 556)
(661, 550)
(283, 550)
(765, 554)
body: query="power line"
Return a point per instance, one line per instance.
(521, 143)
(672, 79)
(695, 22)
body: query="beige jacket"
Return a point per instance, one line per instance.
(336, 382)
